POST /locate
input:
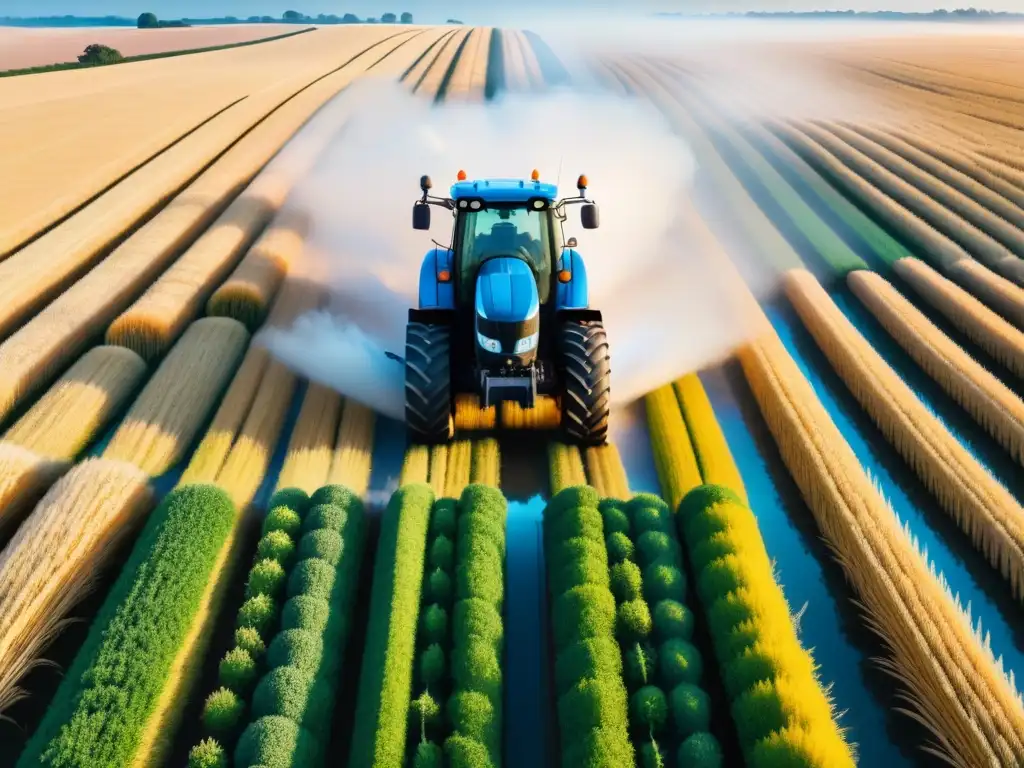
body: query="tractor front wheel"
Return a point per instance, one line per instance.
(428, 399)
(586, 371)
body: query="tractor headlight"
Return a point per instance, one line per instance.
(527, 343)
(488, 344)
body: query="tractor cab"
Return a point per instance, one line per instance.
(507, 279)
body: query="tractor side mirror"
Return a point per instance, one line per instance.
(421, 216)
(590, 216)
(571, 242)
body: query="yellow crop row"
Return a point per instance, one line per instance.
(470, 416)
(434, 78)
(714, 458)
(674, 456)
(990, 402)
(605, 472)
(415, 466)
(353, 449)
(459, 470)
(956, 688)
(311, 445)
(486, 462)
(175, 404)
(441, 50)
(566, 467)
(979, 323)
(982, 507)
(24, 478)
(55, 556)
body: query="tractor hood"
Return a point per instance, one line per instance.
(506, 291)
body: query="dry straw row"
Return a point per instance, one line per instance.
(80, 404)
(1010, 214)
(991, 239)
(982, 507)
(605, 471)
(980, 324)
(989, 402)
(353, 448)
(175, 404)
(311, 445)
(486, 462)
(434, 77)
(955, 687)
(469, 75)
(56, 555)
(154, 321)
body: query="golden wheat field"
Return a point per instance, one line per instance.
(806, 549)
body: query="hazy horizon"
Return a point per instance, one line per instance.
(469, 11)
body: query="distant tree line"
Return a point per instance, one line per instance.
(941, 14)
(150, 21)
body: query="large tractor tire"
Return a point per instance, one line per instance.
(586, 373)
(428, 383)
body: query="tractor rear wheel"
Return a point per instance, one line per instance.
(586, 373)
(428, 399)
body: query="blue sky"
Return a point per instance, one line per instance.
(470, 11)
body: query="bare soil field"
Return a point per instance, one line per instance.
(24, 48)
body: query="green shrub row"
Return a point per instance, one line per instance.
(385, 684)
(433, 653)
(103, 706)
(224, 710)
(293, 702)
(783, 716)
(592, 698)
(475, 707)
(670, 712)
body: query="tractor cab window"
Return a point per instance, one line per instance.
(504, 231)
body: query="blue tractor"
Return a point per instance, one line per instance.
(503, 311)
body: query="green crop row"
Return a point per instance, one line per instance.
(592, 697)
(293, 702)
(475, 706)
(434, 648)
(106, 702)
(782, 715)
(385, 685)
(662, 667)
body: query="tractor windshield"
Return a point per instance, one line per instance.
(504, 231)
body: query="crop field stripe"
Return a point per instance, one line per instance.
(53, 559)
(156, 318)
(824, 242)
(352, 457)
(433, 76)
(674, 454)
(994, 202)
(866, 237)
(486, 466)
(710, 447)
(553, 71)
(566, 467)
(78, 207)
(957, 689)
(605, 471)
(163, 422)
(24, 477)
(772, 246)
(311, 444)
(56, 334)
(424, 58)
(449, 72)
(995, 407)
(467, 80)
(593, 718)
(997, 232)
(80, 405)
(982, 507)
(133, 641)
(385, 683)
(984, 327)
(416, 466)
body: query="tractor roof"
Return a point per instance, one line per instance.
(504, 190)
